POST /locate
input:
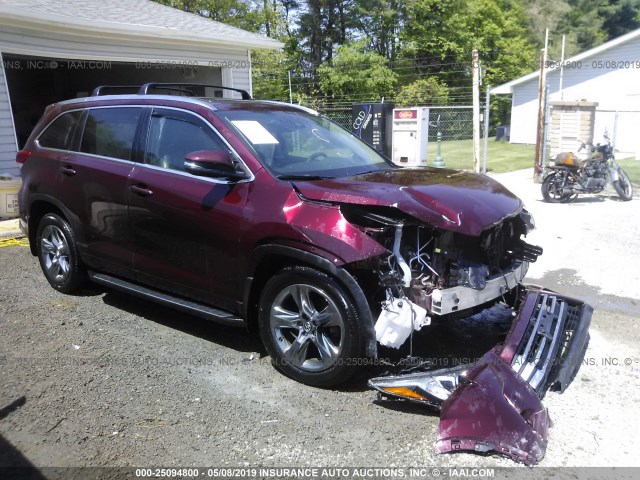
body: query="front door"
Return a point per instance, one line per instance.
(185, 228)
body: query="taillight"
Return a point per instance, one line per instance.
(23, 156)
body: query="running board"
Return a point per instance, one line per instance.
(171, 301)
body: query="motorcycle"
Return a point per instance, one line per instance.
(570, 176)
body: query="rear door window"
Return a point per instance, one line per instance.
(60, 133)
(110, 132)
(173, 134)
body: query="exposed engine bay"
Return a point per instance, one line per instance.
(442, 271)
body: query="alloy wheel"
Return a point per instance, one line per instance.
(54, 250)
(307, 327)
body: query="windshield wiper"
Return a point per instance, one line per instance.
(302, 177)
(377, 170)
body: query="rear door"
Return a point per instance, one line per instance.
(92, 162)
(103, 165)
(185, 227)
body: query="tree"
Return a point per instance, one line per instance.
(356, 72)
(585, 23)
(499, 30)
(426, 91)
(440, 35)
(261, 16)
(381, 21)
(323, 25)
(583, 26)
(620, 17)
(433, 31)
(548, 14)
(269, 69)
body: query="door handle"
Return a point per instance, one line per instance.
(68, 170)
(141, 190)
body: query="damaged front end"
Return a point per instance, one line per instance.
(495, 403)
(450, 245)
(445, 272)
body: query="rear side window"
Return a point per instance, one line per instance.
(61, 131)
(110, 132)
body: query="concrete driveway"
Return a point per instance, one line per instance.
(102, 379)
(591, 246)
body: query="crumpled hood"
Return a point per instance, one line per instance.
(462, 202)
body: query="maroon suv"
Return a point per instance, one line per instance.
(267, 215)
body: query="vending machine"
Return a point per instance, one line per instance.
(371, 122)
(410, 136)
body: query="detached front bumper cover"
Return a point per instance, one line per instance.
(494, 410)
(495, 403)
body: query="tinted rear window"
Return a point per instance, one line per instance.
(60, 133)
(109, 132)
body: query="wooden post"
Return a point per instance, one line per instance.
(537, 163)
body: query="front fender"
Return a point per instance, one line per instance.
(323, 264)
(324, 225)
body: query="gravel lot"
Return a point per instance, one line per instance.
(102, 379)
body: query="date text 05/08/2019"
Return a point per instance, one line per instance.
(170, 64)
(595, 64)
(312, 473)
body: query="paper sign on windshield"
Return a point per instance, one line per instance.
(255, 132)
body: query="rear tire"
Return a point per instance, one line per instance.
(550, 191)
(58, 254)
(623, 186)
(310, 327)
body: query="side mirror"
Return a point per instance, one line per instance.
(211, 163)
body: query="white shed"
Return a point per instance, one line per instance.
(608, 74)
(52, 50)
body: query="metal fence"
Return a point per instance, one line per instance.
(622, 127)
(341, 116)
(454, 122)
(565, 130)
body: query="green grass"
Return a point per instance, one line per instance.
(504, 157)
(632, 167)
(501, 156)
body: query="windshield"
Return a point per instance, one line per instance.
(300, 145)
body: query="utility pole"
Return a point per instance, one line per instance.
(537, 163)
(290, 92)
(562, 68)
(476, 110)
(545, 130)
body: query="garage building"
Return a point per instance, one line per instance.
(53, 50)
(607, 75)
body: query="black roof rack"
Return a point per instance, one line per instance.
(100, 90)
(176, 87)
(179, 86)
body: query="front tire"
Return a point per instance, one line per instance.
(310, 327)
(552, 191)
(623, 186)
(58, 254)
